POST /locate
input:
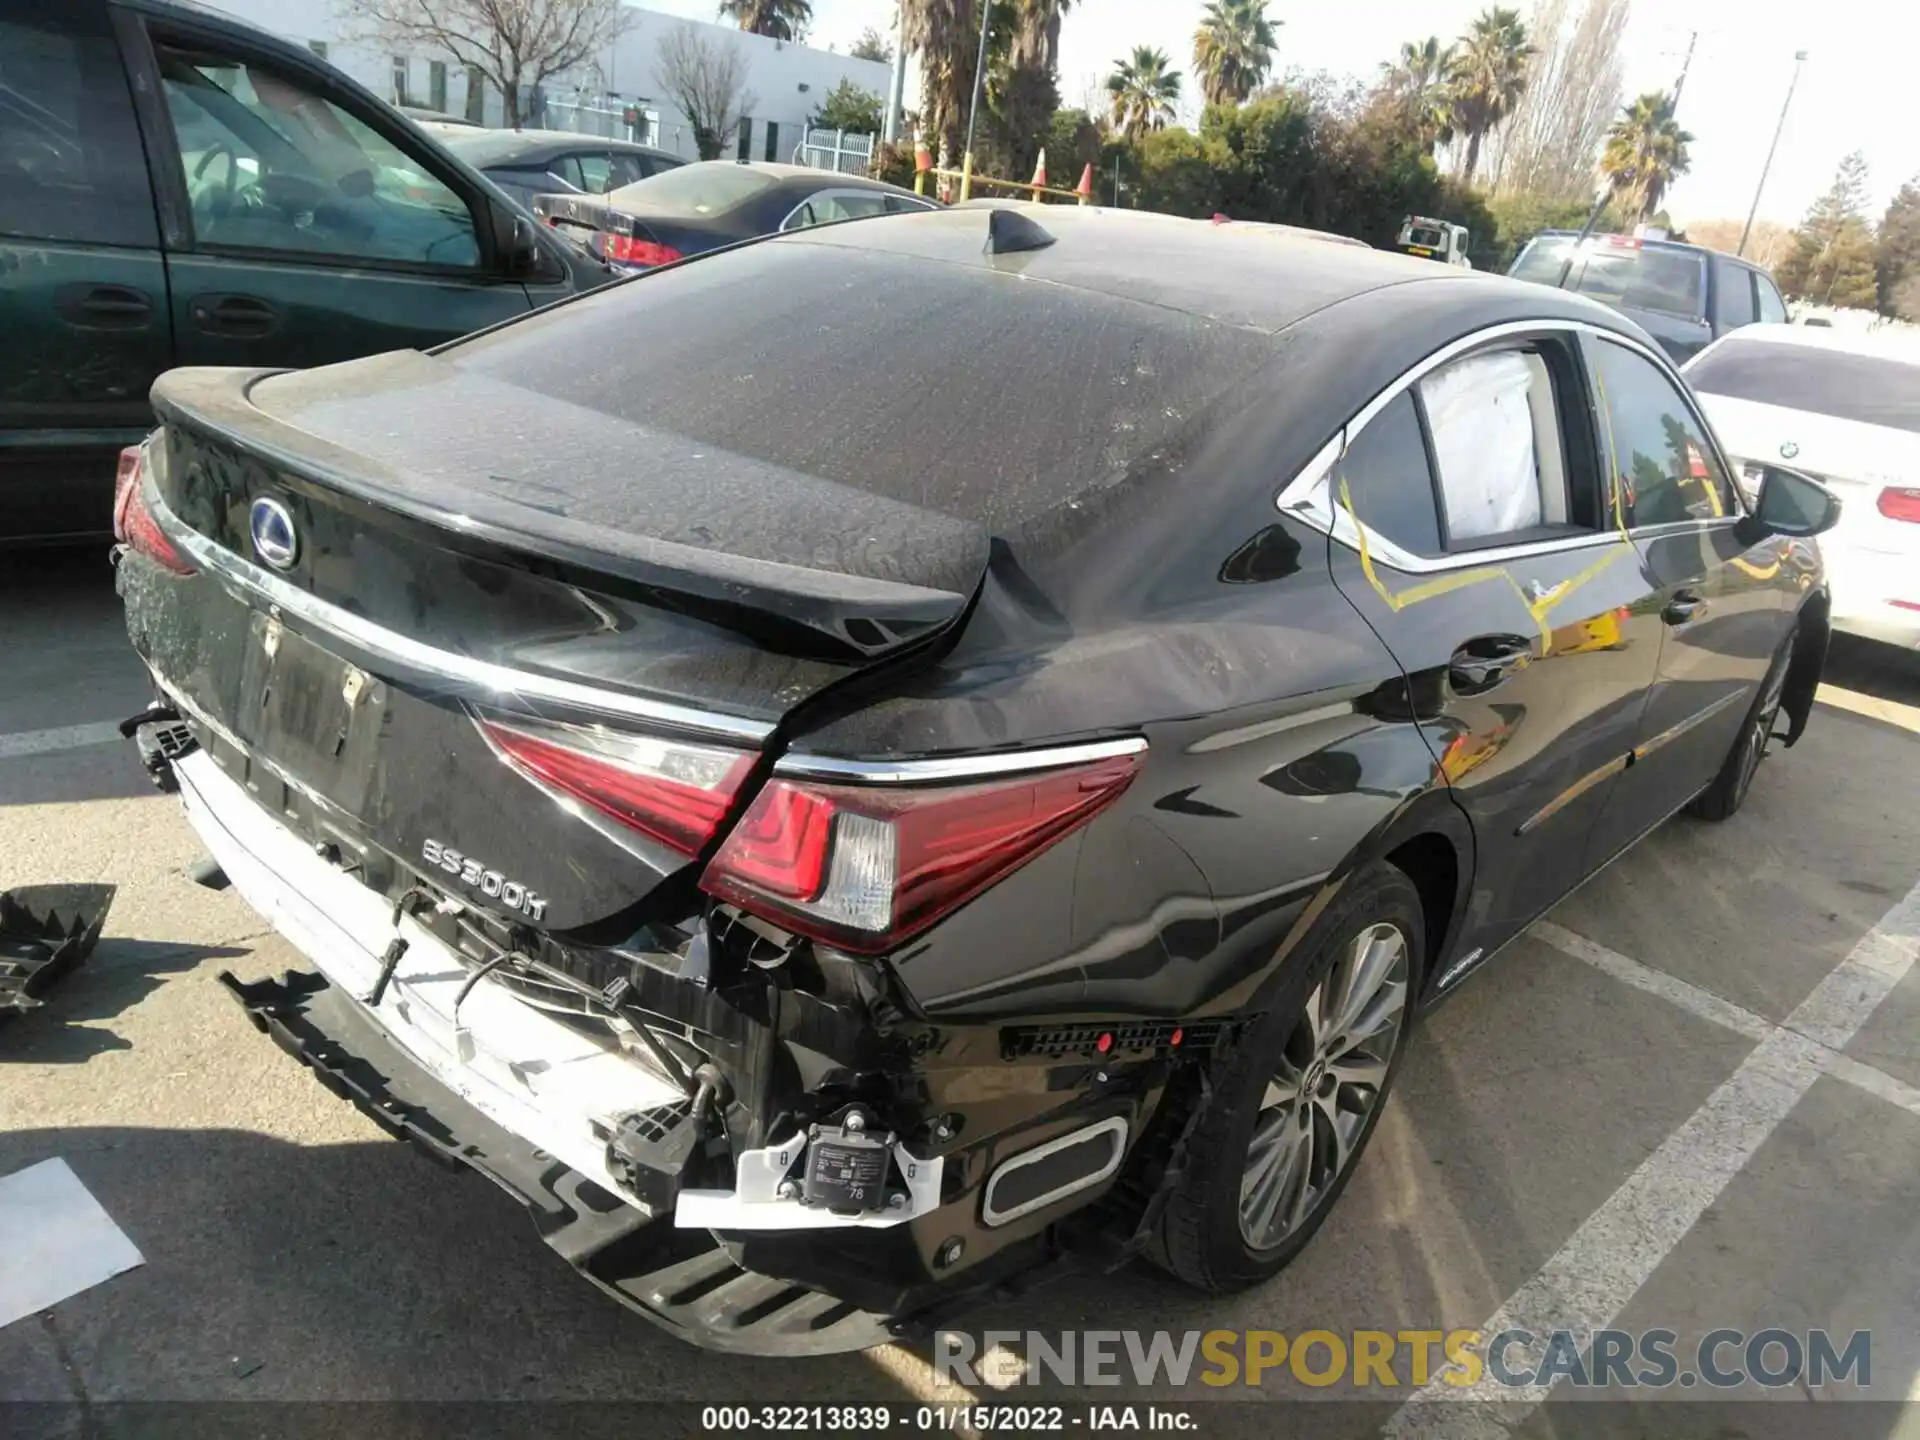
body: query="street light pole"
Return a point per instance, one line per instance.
(979, 71)
(1799, 59)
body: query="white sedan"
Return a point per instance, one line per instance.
(1844, 408)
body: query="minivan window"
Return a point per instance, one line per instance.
(1643, 277)
(270, 165)
(71, 166)
(1870, 389)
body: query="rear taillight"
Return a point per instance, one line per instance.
(674, 791)
(133, 522)
(865, 867)
(1899, 503)
(625, 250)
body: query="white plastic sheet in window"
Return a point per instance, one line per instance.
(1483, 443)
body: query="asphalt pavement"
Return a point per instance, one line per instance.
(1690, 1101)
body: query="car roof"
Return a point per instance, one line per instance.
(1260, 278)
(533, 144)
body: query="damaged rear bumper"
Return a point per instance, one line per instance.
(683, 1280)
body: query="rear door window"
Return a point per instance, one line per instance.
(1385, 480)
(1663, 466)
(71, 164)
(1496, 445)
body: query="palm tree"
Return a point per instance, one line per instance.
(1422, 84)
(1492, 75)
(1646, 151)
(947, 35)
(1025, 86)
(1233, 50)
(1144, 90)
(780, 19)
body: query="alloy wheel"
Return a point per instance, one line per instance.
(1332, 1073)
(1760, 731)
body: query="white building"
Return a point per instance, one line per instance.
(785, 82)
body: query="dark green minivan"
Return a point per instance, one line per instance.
(177, 188)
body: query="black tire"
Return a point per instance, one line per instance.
(1201, 1238)
(1729, 788)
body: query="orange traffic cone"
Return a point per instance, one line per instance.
(1040, 173)
(922, 156)
(1085, 188)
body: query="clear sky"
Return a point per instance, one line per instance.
(1857, 90)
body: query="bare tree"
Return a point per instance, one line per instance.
(1552, 143)
(706, 79)
(516, 45)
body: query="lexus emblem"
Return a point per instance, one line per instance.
(274, 538)
(1788, 449)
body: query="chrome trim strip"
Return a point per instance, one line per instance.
(500, 681)
(1674, 732)
(1114, 1124)
(1309, 494)
(1573, 792)
(952, 767)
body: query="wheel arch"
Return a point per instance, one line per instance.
(1809, 659)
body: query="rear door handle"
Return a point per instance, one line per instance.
(104, 307)
(1684, 606)
(1487, 660)
(243, 317)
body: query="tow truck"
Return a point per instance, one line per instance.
(1434, 240)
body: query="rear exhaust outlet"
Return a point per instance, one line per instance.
(1065, 1166)
(207, 872)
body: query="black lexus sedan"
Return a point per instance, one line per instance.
(711, 203)
(530, 163)
(973, 746)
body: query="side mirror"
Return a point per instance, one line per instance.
(518, 243)
(1793, 504)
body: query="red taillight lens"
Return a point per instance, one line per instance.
(676, 792)
(1899, 503)
(865, 868)
(125, 478)
(133, 522)
(625, 250)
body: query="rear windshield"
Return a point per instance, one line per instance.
(1870, 389)
(938, 385)
(1433, 239)
(1671, 282)
(700, 189)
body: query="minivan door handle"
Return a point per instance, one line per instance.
(1684, 606)
(104, 307)
(1487, 660)
(241, 317)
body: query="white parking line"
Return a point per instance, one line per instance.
(1709, 1006)
(66, 737)
(1603, 1264)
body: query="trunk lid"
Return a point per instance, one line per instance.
(466, 551)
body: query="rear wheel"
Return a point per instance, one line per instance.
(1729, 788)
(1297, 1099)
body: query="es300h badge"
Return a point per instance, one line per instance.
(491, 883)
